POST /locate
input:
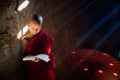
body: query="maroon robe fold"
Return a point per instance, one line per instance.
(40, 44)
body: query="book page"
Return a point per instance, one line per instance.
(43, 57)
(28, 58)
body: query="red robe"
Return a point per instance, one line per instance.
(40, 44)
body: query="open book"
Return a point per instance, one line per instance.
(43, 57)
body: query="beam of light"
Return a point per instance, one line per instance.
(98, 25)
(72, 17)
(86, 7)
(22, 32)
(23, 5)
(82, 10)
(58, 8)
(65, 16)
(107, 35)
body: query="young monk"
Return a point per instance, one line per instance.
(37, 42)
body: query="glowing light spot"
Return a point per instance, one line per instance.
(40, 19)
(23, 5)
(49, 50)
(111, 64)
(85, 69)
(74, 52)
(104, 54)
(22, 32)
(100, 71)
(81, 60)
(115, 74)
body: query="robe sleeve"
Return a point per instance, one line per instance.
(50, 42)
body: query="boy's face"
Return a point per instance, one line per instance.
(34, 28)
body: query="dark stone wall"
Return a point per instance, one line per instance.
(8, 30)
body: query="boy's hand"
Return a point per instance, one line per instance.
(36, 60)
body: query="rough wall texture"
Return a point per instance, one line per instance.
(9, 64)
(9, 26)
